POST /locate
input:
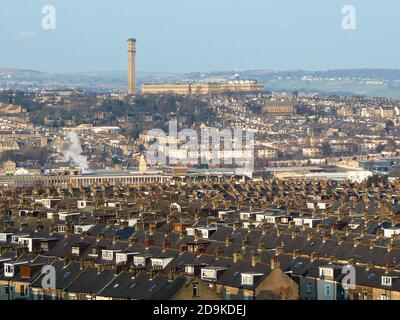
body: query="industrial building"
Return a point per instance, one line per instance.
(209, 88)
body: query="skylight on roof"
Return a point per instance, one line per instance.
(66, 274)
(153, 287)
(371, 276)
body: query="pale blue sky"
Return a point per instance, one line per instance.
(199, 35)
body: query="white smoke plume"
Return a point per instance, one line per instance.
(73, 152)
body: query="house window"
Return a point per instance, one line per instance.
(9, 269)
(158, 263)
(326, 272)
(108, 255)
(139, 261)
(327, 290)
(7, 289)
(195, 289)
(309, 288)
(121, 258)
(208, 274)
(386, 281)
(189, 269)
(247, 279)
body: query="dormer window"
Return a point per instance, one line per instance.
(8, 269)
(326, 272)
(107, 255)
(139, 261)
(208, 274)
(189, 270)
(160, 263)
(45, 246)
(211, 273)
(386, 281)
(75, 250)
(247, 280)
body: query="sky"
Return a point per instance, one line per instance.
(199, 35)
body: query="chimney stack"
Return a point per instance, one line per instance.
(325, 237)
(373, 244)
(152, 228)
(314, 256)
(279, 232)
(237, 256)
(295, 234)
(132, 241)
(166, 244)
(261, 247)
(219, 252)
(389, 267)
(280, 249)
(245, 242)
(236, 225)
(229, 240)
(296, 253)
(275, 263)
(255, 258)
(132, 66)
(357, 242)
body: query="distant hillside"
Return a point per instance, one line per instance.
(369, 82)
(19, 72)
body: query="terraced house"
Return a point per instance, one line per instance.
(199, 240)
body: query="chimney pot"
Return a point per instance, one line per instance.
(255, 258)
(237, 256)
(357, 242)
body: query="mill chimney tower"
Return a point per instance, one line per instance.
(132, 66)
